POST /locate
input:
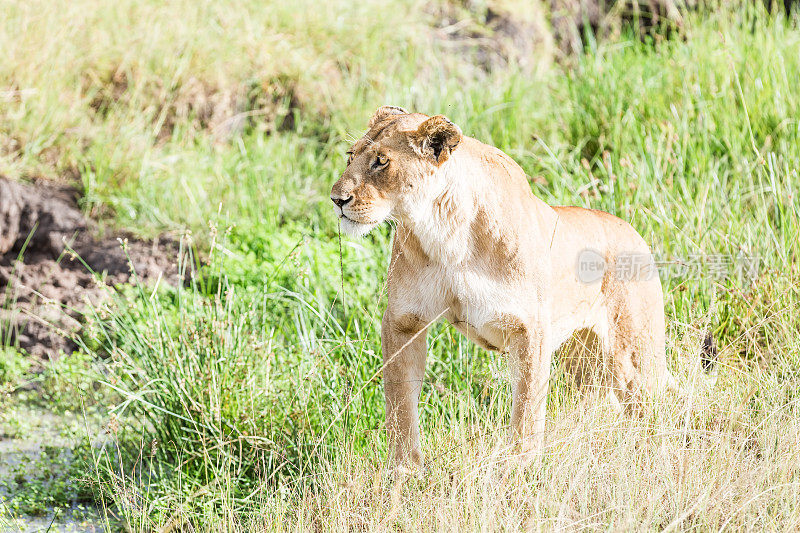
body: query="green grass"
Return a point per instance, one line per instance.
(251, 397)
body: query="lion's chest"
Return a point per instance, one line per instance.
(477, 305)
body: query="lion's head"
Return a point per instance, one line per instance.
(390, 166)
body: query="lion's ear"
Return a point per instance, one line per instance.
(385, 111)
(436, 138)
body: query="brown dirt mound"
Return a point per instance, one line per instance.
(501, 32)
(223, 111)
(572, 18)
(492, 35)
(43, 294)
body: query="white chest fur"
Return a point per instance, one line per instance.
(452, 284)
(478, 306)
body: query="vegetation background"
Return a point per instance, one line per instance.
(244, 392)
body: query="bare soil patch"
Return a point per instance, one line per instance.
(498, 33)
(196, 104)
(572, 19)
(491, 36)
(44, 284)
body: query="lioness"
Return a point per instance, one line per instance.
(475, 246)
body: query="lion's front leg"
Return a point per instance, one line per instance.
(531, 355)
(404, 352)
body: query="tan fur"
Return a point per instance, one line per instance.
(474, 246)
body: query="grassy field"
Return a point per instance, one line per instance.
(249, 398)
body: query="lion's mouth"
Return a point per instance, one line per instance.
(355, 228)
(357, 224)
(342, 216)
(366, 222)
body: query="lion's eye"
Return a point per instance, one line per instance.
(349, 156)
(380, 161)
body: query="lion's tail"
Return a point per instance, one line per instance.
(709, 357)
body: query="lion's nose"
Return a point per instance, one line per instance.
(341, 201)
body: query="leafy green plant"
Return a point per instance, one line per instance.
(72, 382)
(13, 367)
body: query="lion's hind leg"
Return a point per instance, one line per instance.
(638, 349)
